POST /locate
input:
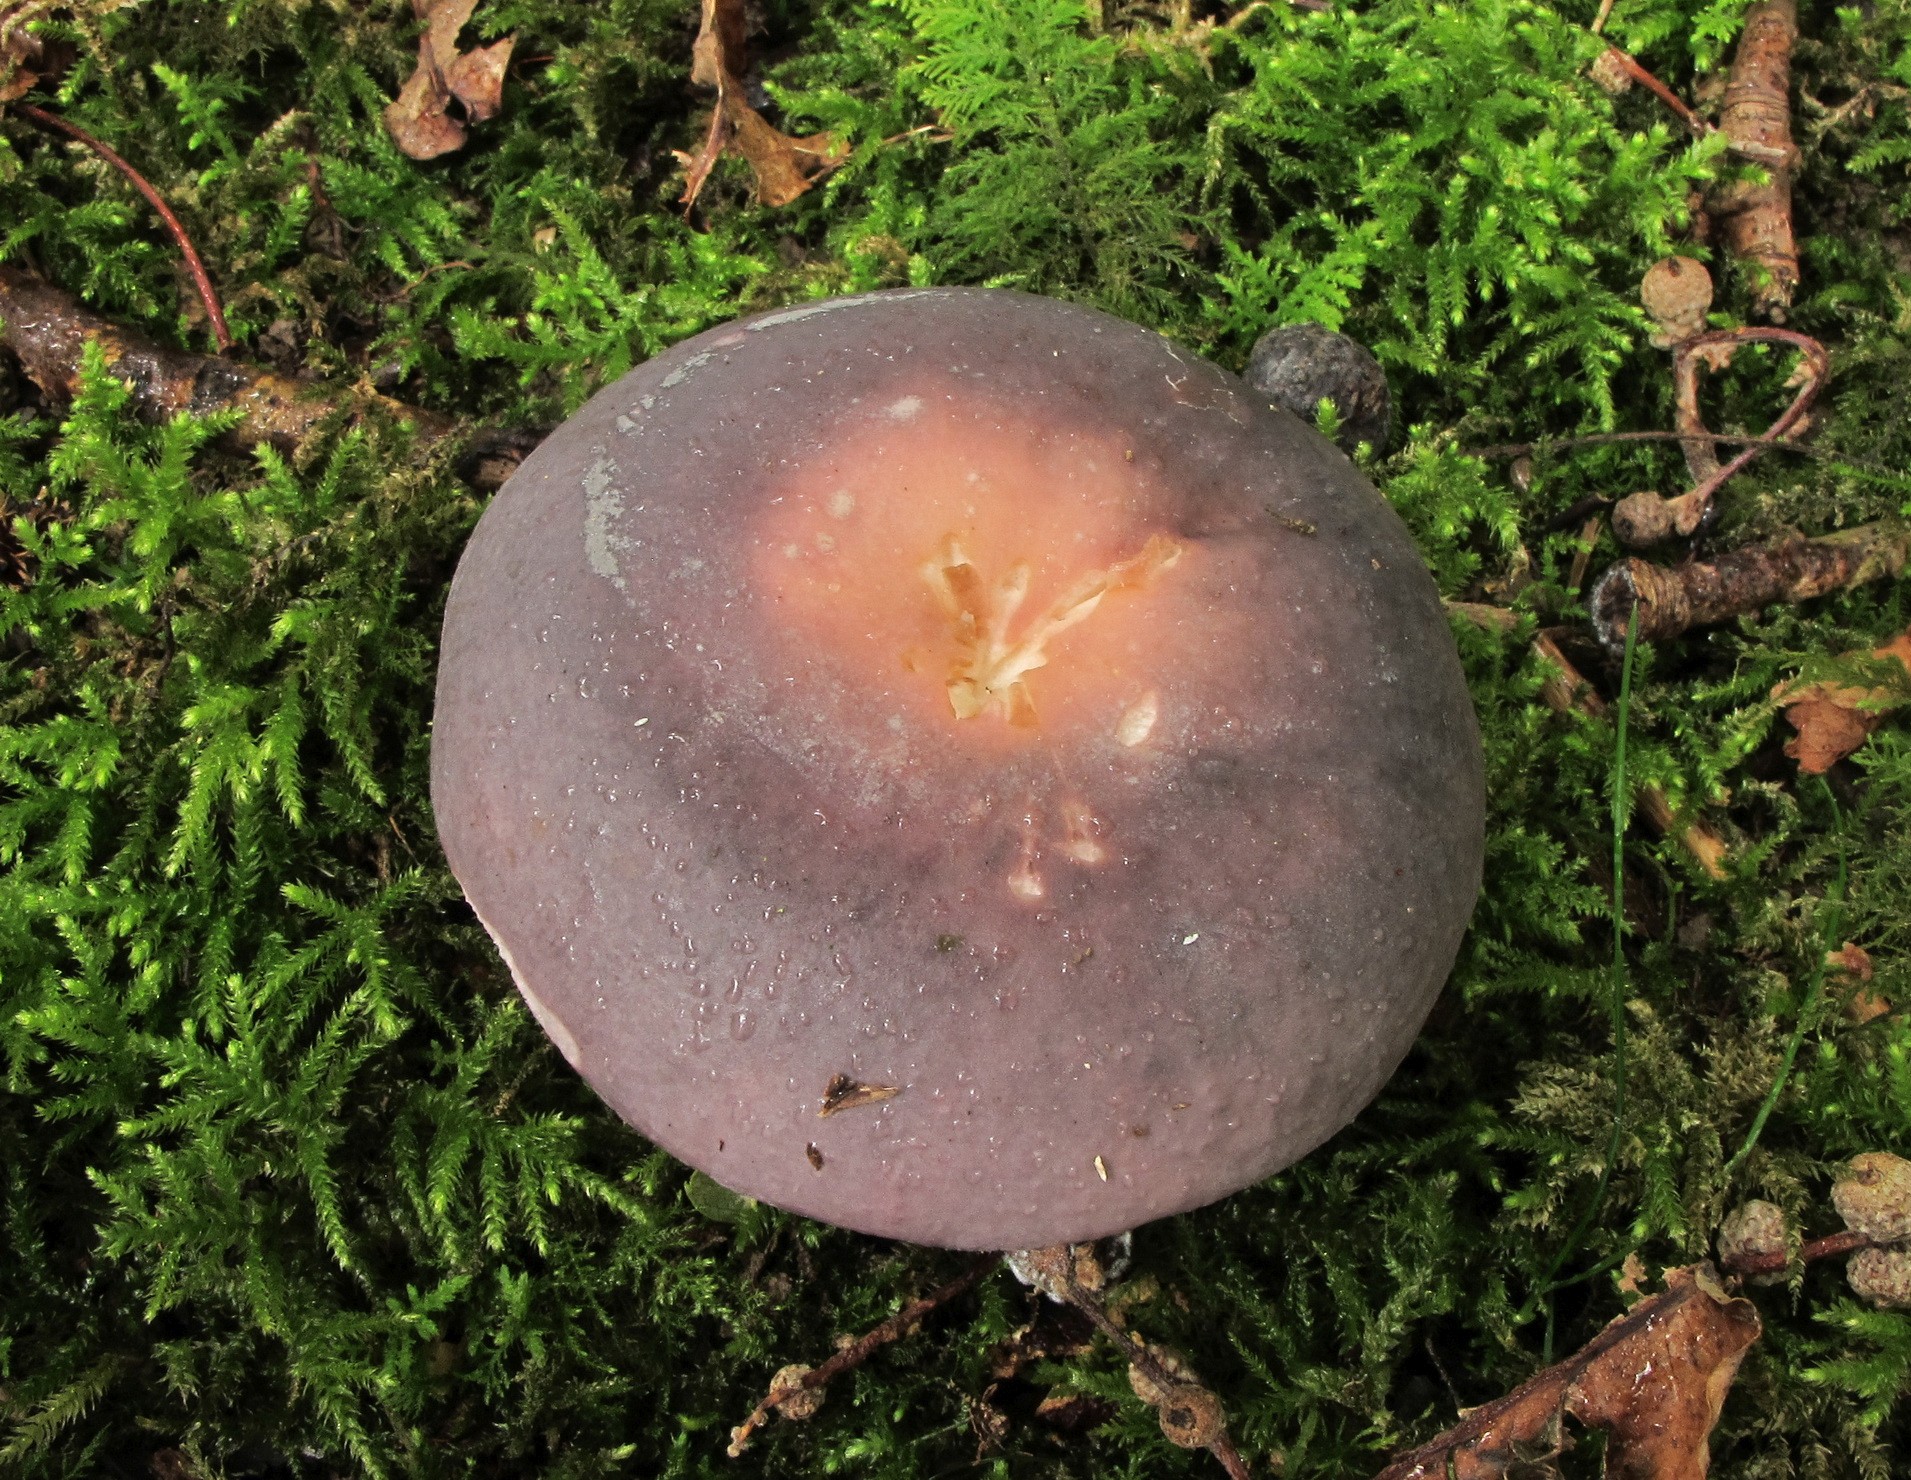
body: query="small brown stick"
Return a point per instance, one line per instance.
(791, 1385)
(1701, 454)
(1645, 518)
(1191, 1416)
(1756, 217)
(1675, 599)
(1816, 364)
(1830, 1246)
(1638, 72)
(49, 332)
(201, 279)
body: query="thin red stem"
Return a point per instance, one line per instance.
(1637, 72)
(200, 278)
(1828, 1247)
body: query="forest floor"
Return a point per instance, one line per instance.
(295, 1186)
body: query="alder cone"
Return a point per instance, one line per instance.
(952, 764)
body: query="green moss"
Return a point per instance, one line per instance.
(293, 1184)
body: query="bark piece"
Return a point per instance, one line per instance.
(1755, 217)
(784, 166)
(1834, 719)
(1675, 599)
(1654, 1380)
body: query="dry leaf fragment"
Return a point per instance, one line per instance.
(784, 166)
(844, 1093)
(21, 54)
(1834, 719)
(1654, 1380)
(419, 119)
(1853, 964)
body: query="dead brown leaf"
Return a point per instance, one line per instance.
(1834, 719)
(22, 56)
(1654, 1380)
(784, 166)
(419, 118)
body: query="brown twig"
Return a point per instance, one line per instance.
(1701, 453)
(1569, 691)
(1191, 1416)
(1830, 1246)
(201, 279)
(1635, 69)
(793, 1386)
(1816, 364)
(1756, 216)
(1643, 519)
(1675, 599)
(49, 332)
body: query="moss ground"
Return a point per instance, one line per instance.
(290, 1183)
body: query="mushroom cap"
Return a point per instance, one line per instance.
(951, 763)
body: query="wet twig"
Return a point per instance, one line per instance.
(798, 1391)
(1755, 216)
(1675, 599)
(49, 332)
(1632, 67)
(1191, 1415)
(1718, 439)
(1774, 1261)
(201, 279)
(1643, 519)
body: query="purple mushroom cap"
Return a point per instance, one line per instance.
(953, 764)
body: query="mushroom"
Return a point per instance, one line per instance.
(951, 763)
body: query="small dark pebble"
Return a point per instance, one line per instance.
(1300, 365)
